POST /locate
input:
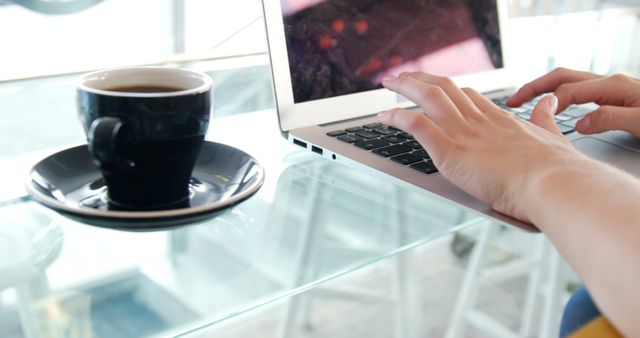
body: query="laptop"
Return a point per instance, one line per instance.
(328, 58)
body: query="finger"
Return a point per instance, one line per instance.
(484, 104)
(548, 83)
(425, 131)
(608, 118)
(609, 90)
(459, 98)
(432, 99)
(544, 112)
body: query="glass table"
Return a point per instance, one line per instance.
(313, 220)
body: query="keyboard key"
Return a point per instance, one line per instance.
(367, 134)
(500, 102)
(405, 135)
(525, 116)
(566, 129)
(373, 125)
(336, 133)
(350, 138)
(414, 145)
(394, 139)
(518, 110)
(406, 159)
(425, 167)
(385, 131)
(422, 154)
(562, 118)
(575, 111)
(354, 129)
(393, 150)
(571, 123)
(371, 144)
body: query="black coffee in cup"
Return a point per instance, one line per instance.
(145, 127)
(145, 89)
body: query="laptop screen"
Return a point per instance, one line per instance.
(339, 47)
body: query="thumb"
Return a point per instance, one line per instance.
(608, 118)
(543, 113)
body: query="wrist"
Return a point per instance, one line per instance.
(557, 178)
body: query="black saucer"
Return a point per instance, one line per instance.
(69, 182)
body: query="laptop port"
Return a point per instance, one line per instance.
(316, 150)
(300, 143)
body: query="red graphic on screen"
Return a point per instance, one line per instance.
(338, 25)
(325, 42)
(361, 27)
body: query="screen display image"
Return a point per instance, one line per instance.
(339, 47)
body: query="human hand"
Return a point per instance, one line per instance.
(617, 95)
(479, 147)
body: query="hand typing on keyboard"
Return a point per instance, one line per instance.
(476, 145)
(530, 171)
(617, 95)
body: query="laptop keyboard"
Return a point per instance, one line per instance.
(389, 142)
(566, 121)
(402, 148)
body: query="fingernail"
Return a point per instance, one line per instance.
(388, 78)
(552, 103)
(584, 124)
(383, 114)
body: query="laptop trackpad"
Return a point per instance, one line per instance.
(617, 156)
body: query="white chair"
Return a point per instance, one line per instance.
(402, 300)
(547, 279)
(30, 241)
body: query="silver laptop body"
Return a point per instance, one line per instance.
(328, 58)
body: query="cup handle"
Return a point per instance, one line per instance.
(105, 136)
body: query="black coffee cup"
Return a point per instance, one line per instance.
(145, 127)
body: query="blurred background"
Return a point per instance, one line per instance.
(120, 32)
(42, 53)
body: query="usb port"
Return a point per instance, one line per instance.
(300, 143)
(316, 150)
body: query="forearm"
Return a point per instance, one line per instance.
(591, 212)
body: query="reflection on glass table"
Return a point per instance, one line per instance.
(313, 220)
(508, 284)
